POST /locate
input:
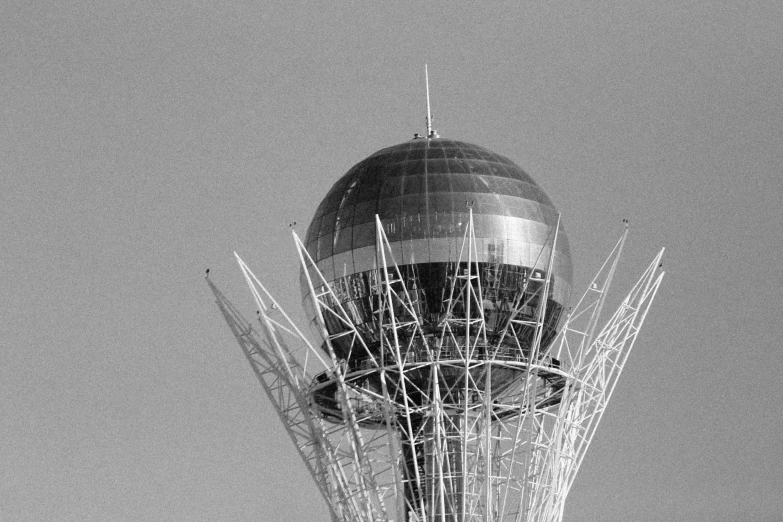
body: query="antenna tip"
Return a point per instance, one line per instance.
(430, 132)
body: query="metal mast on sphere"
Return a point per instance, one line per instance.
(476, 417)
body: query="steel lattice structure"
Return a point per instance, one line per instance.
(466, 425)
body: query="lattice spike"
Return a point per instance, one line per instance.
(418, 426)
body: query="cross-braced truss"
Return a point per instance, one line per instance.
(454, 424)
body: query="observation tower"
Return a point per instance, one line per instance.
(446, 377)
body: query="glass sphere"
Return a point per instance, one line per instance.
(423, 191)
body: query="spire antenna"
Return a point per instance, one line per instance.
(430, 133)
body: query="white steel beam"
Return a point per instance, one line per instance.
(441, 439)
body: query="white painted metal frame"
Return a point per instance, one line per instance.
(487, 449)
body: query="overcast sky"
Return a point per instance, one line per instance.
(143, 142)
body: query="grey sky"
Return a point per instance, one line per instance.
(143, 142)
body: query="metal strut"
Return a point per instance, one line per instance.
(448, 424)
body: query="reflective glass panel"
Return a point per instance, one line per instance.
(327, 224)
(439, 183)
(364, 234)
(415, 167)
(437, 166)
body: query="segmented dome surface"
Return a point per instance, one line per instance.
(421, 190)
